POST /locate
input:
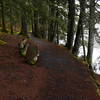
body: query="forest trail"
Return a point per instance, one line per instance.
(56, 76)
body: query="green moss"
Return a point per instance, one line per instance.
(16, 33)
(98, 91)
(23, 47)
(23, 52)
(96, 84)
(3, 42)
(32, 62)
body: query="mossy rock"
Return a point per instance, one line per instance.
(23, 47)
(32, 62)
(32, 54)
(22, 52)
(29, 50)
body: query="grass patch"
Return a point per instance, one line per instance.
(3, 42)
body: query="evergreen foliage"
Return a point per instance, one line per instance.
(50, 19)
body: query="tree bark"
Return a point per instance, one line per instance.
(0, 22)
(84, 52)
(36, 26)
(57, 34)
(71, 24)
(11, 28)
(79, 32)
(32, 24)
(3, 17)
(24, 26)
(57, 24)
(51, 32)
(91, 32)
(11, 21)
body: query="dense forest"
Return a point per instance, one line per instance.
(54, 20)
(40, 45)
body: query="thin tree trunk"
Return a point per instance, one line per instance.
(57, 34)
(43, 28)
(84, 53)
(32, 28)
(11, 28)
(3, 17)
(0, 22)
(46, 31)
(11, 21)
(57, 25)
(77, 43)
(71, 24)
(91, 32)
(32, 25)
(24, 29)
(36, 22)
(79, 32)
(51, 32)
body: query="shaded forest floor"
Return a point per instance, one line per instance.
(56, 76)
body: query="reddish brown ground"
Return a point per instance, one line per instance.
(56, 76)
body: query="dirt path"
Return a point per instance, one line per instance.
(56, 76)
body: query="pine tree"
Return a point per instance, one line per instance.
(79, 32)
(91, 32)
(2, 3)
(71, 24)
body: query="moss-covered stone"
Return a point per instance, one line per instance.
(32, 54)
(23, 47)
(28, 49)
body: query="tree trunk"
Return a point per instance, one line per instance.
(71, 24)
(84, 53)
(36, 22)
(11, 21)
(91, 32)
(42, 28)
(77, 43)
(46, 31)
(32, 25)
(3, 17)
(51, 32)
(57, 24)
(57, 34)
(32, 28)
(0, 22)
(24, 29)
(79, 32)
(11, 28)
